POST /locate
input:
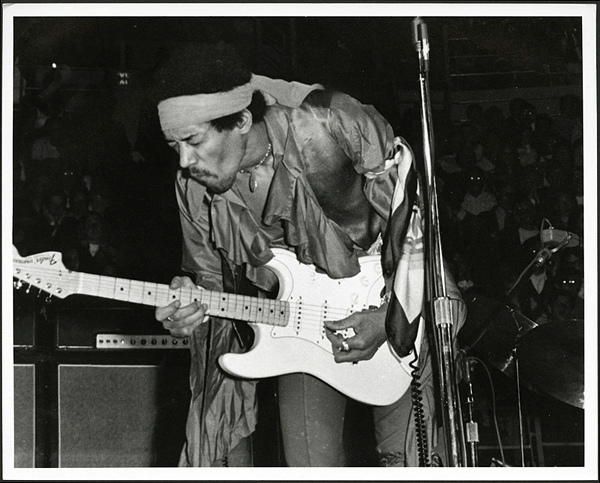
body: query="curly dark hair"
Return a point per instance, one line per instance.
(206, 69)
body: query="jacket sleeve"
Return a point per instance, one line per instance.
(199, 254)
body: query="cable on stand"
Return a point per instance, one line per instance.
(443, 309)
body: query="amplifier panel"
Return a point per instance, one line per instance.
(140, 342)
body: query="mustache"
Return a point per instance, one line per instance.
(194, 172)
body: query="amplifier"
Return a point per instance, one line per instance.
(81, 319)
(24, 314)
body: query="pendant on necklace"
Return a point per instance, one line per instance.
(252, 183)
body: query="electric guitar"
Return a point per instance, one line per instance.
(289, 331)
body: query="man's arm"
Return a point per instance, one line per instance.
(199, 257)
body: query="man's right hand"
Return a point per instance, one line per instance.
(181, 321)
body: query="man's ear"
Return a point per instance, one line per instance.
(245, 122)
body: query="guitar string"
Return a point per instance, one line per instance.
(109, 284)
(310, 312)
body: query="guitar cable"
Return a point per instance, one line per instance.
(418, 412)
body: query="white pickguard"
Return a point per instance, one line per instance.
(301, 346)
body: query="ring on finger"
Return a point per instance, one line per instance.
(170, 319)
(345, 347)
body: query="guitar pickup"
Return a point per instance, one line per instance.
(154, 342)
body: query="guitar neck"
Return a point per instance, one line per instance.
(220, 304)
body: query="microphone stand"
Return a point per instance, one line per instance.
(443, 309)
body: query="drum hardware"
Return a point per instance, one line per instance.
(547, 359)
(551, 361)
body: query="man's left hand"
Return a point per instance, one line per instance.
(369, 335)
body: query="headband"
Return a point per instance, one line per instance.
(182, 111)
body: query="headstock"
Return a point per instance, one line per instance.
(46, 272)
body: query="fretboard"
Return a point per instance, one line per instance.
(220, 304)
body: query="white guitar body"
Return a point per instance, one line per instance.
(289, 332)
(301, 346)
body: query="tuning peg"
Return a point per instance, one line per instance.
(17, 284)
(28, 289)
(48, 298)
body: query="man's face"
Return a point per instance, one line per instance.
(211, 157)
(475, 183)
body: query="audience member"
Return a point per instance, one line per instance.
(505, 209)
(527, 154)
(561, 308)
(95, 253)
(58, 232)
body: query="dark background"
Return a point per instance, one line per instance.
(110, 59)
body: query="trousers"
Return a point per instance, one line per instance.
(312, 424)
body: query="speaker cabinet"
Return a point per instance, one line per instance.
(24, 415)
(116, 416)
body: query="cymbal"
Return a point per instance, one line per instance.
(492, 329)
(551, 360)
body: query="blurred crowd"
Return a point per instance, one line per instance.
(81, 188)
(502, 181)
